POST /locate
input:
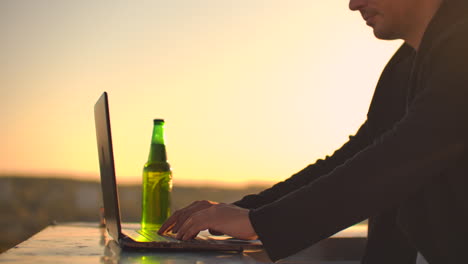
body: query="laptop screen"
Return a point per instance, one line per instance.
(107, 169)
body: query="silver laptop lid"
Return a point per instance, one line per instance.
(107, 168)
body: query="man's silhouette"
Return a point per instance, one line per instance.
(406, 169)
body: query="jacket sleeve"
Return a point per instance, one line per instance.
(421, 146)
(311, 172)
(384, 111)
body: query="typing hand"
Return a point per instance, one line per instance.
(218, 218)
(178, 218)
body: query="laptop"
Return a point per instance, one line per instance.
(135, 237)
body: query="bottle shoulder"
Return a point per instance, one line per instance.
(156, 166)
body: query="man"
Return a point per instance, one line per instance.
(406, 169)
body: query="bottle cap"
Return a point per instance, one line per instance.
(158, 120)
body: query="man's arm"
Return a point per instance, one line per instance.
(312, 172)
(427, 141)
(387, 107)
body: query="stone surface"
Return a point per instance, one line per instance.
(87, 243)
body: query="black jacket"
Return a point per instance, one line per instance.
(416, 131)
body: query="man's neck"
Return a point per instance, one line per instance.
(422, 20)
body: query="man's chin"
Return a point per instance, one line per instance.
(383, 34)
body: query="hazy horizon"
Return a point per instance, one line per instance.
(137, 180)
(251, 91)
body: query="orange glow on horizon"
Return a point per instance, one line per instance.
(252, 92)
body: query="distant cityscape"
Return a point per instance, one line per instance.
(27, 205)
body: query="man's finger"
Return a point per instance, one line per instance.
(193, 227)
(184, 216)
(192, 209)
(177, 219)
(169, 224)
(191, 233)
(184, 227)
(164, 230)
(182, 219)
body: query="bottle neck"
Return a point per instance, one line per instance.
(158, 133)
(158, 149)
(157, 153)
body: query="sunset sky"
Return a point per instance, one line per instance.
(251, 91)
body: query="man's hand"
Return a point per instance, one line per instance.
(218, 218)
(178, 218)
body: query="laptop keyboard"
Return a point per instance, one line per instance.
(168, 237)
(154, 236)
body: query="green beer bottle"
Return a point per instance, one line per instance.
(157, 182)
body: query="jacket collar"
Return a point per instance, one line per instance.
(450, 13)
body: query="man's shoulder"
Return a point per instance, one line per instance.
(449, 27)
(442, 58)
